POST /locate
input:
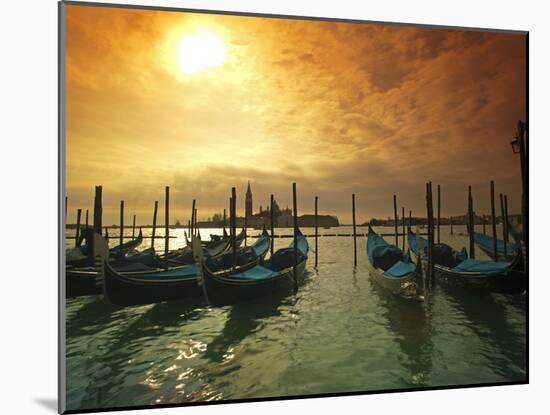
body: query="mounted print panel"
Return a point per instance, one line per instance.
(274, 207)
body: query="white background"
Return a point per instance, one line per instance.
(28, 134)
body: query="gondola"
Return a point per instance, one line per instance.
(128, 246)
(86, 281)
(146, 257)
(83, 280)
(82, 277)
(485, 243)
(454, 268)
(175, 283)
(212, 248)
(268, 278)
(79, 256)
(392, 268)
(216, 239)
(184, 256)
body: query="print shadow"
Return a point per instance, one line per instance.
(49, 403)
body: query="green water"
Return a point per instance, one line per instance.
(339, 333)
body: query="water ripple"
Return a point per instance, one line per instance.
(341, 332)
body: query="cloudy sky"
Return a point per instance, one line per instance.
(337, 107)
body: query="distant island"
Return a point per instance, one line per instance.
(323, 221)
(455, 220)
(283, 218)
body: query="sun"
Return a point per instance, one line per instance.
(200, 51)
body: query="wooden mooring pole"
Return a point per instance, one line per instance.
(154, 230)
(438, 214)
(295, 220)
(272, 222)
(230, 221)
(98, 214)
(451, 220)
(395, 220)
(471, 225)
(354, 230)
(86, 219)
(245, 227)
(430, 212)
(134, 227)
(98, 210)
(192, 228)
(501, 197)
(316, 232)
(494, 221)
(224, 219)
(507, 232)
(195, 225)
(234, 225)
(403, 223)
(522, 138)
(166, 223)
(121, 236)
(77, 236)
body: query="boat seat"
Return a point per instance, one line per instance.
(259, 272)
(445, 255)
(486, 267)
(399, 269)
(387, 257)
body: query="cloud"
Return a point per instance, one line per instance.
(336, 107)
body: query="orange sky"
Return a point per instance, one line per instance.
(336, 107)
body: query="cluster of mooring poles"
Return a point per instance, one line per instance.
(519, 146)
(433, 225)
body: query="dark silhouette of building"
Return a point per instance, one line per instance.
(324, 221)
(248, 203)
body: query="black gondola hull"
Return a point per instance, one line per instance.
(223, 290)
(123, 290)
(510, 281)
(506, 283)
(81, 283)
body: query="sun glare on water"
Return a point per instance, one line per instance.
(200, 51)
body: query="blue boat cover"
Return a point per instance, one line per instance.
(486, 242)
(411, 240)
(399, 269)
(261, 246)
(259, 272)
(462, 255)
(377, 247)
(486, 267)
(378, 250)
(303, 246)
(466, 264)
